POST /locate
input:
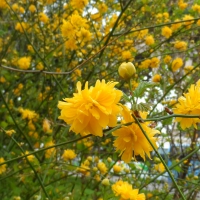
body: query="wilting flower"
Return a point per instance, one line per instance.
(125, 191)
(92, 109)
(188, 104)
(131, 138)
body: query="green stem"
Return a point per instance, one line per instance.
(170, 116)
(43, 149)
(160, 157)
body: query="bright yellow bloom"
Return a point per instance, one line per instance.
(196, 7)
(40, 66)
(149, 40)
(49, 153)
(180, 45)
(46, 126)
(84, 169)
(24, 62)
(10, 132)
(102, 167)
(145, 64)
(182, 5)
(28, 114)
(32, 8)
(30, 157)
(21, 27)
(131, 138)
(156, 78)
(159, 167)
(167, 59)
(188, 104)
(126, 192)
(92, 109)
(188, 69)
(68, 155)
(154, 62)
(117, 169)
(79, 4)
(176, 64)
(2, 167)
(176, 26)
(166, 32)
(126, 70)
(43, 17)
(126, 55)
(3, 4)
(188, 23)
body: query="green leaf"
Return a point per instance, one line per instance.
(139, 91)
(143, 107)
(125, 97)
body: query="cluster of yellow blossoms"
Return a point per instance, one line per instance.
(93, 109)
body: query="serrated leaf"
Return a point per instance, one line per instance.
(125, 97)
(139, 91)
(143, 107)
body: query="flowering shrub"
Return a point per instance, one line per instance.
(99, 99)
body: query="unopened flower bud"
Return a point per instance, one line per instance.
(126, 70)
(105, 182)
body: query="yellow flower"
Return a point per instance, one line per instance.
(176, 64)
(180, 45)
(21, 27)
(40, 66)
(28, 114)
(2, 167)
(30, 157)
(49, 153)
(24, 62)
(32, 8)
(188, 69)
(182, 5)
(131, 138)
(92, 109)
(43, 17)
(149, 40)
(125, 191)
(154, 62)
(102, 167)
(117, 169)
(68, 155)
(167, 59)
(127, 55)
(46, 126)
(166, 32)
(176, 26)
(3, 4)
(159, 167)
(126, 70)
(145, 64)
(196, 7)
(188, 104)
(188, 23)
(84, 169)
(156, 78)
(78, 4)
(10, 132)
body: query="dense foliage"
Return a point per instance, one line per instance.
(99, 99)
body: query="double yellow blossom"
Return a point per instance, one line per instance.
(92, 109)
